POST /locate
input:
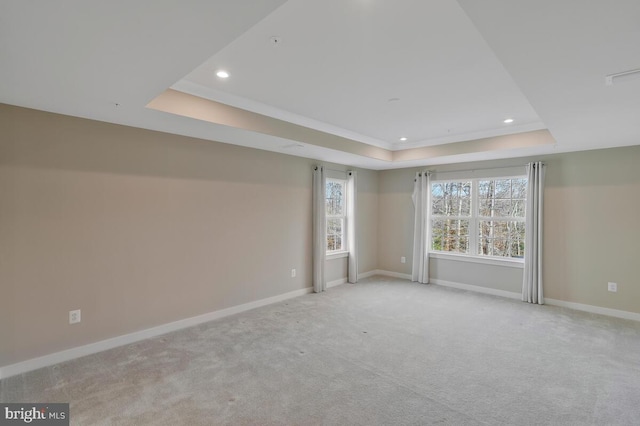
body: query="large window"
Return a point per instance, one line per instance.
(483, 217)
(336, 213)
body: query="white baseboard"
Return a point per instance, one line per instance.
(552, 302)
(477, 289)
(594, 309)
(385, 273)
(336, 282)
(366, 274)
(77, 352)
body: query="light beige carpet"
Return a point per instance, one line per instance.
(381, 352)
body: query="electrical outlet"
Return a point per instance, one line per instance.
(613, 287)
(74, 316)
(403, 259)
(293, 273)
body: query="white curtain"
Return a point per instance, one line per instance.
(319, 229)
(421, 227)
(352, 241)
(532, 283)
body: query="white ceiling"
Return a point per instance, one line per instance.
(458, 69)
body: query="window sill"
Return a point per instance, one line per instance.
(337, 255)
(511, 263)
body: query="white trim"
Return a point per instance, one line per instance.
(385, 273)
(634, 316)
(103, 345)
(470, 136)
(336, 282)
(336, 174)
(508, 262)
(477, 289)
(594, 309)
(337, 255)
(236, 101)
(367, 274)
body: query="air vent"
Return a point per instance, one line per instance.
(620, 77)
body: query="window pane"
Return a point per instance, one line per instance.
(465, 199)
(518, 230)
(338, 242)
(463, 246)
(517, 208)
(438, 207)
(501, 230)
(334, 242)
(483, 246)
(519, 188)
(334, 233)
(460, 206)
(517, 248)
(334, 226)
(503, 188)
(437, 234)
(449, 194)
(335, 198)
(485, 189)
(485, 207)
(451, 198)
(450, 235)
(501, 208)
(437, 191)
(500, 247)
(331, 242)
(484, 228)
(456, 227)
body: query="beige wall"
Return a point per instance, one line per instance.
(395, 220)
(592, 205)
(140, 228)
(336, 269)
(497, 277)
(592, 228)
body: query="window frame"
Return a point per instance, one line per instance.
(474, 224)
(343, 251)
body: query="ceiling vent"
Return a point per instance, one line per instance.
(620, 77)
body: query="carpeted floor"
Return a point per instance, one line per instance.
(382, 352)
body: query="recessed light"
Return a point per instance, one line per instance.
(222, 74)
(508, 120)
(402, 139)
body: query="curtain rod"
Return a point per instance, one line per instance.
(334, 170)
(476, 169)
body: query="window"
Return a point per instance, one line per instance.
(501, 206)
(483, 217)
(336, 214)
(451, 216)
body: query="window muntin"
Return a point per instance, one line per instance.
(484, 217)
(336, 214)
